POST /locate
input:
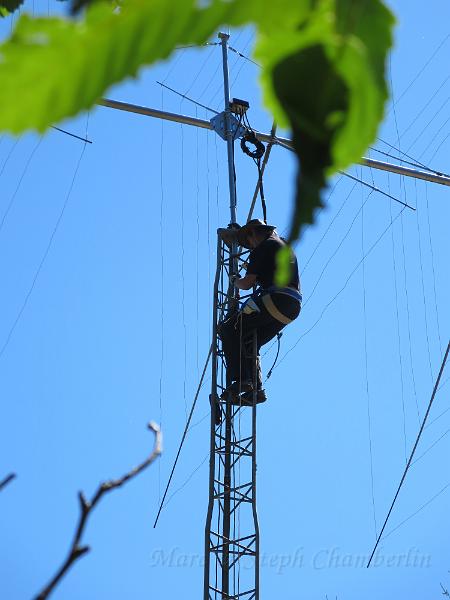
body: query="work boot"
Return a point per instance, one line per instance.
(260, 396)
(246, 399)
(238, 387)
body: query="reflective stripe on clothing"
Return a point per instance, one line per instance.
(273, 310)
(263, 295)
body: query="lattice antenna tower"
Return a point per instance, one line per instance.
(231, 530)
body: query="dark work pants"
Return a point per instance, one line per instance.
(236, 333)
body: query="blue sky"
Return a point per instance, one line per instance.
(116, 327)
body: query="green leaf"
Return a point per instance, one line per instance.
(65, 66)
(9, 6)
(283, 266)
(324, 76)
(323, 69)
(323, 103)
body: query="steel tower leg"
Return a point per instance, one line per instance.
(231, 532)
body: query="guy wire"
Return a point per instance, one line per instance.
(197, 255)
(417, 511)
(185, 432)
(188, 98)
(433, 270)
(438, 132)
(162, 286)
(366, 367)
(402, 183)
(408, 464)
(182, 223)
(405, 91)
(397, 323)
(8, 156)
(22, 176)
(327, 306)
(332, 256)
(422, 278)
(44, 257)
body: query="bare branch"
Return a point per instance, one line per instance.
(86, 506)
(7, 480)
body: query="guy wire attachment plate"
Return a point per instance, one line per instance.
(218, 123)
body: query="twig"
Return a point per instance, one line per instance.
(7, 480)
(77, 550)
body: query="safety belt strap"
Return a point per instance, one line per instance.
(284, 290)
(273, 310)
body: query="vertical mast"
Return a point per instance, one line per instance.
(228, 131)
(231, 529)
(232, 270)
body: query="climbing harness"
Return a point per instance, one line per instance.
(269, 304)
(288, 291)
(250, 306)
(273, 310)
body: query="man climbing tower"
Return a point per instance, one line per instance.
(268, 310)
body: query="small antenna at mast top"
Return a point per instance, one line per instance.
(223, 36)
(239, 107)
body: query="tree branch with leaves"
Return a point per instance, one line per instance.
(323, 69)
(9, 6)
